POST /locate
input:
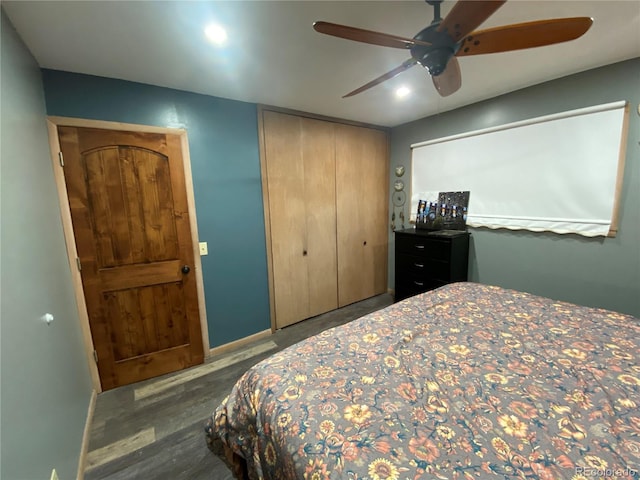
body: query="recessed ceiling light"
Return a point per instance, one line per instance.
(402, 92)
(216, 34)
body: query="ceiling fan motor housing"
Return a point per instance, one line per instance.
(435, 56)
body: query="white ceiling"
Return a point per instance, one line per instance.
(274, 56)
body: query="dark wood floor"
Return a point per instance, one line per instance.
(154, 429)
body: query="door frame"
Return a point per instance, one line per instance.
(53, 122)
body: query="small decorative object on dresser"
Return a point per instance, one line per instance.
(427, 260)
(448, 213)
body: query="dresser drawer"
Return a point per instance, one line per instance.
(433, 248)
(426, 261)
(422, 268)
(408, 287)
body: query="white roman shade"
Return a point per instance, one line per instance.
(560, 173)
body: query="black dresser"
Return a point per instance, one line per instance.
(427, 260)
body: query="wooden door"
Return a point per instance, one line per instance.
(362, 176)
(128, 205)
(300, 168)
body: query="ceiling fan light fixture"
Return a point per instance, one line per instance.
(402, 92)
(216, 34)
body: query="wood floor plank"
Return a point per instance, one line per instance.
(120, 448)
(181, 456)
(193, 373)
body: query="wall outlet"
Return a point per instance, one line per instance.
(54, 475)
(203, 248)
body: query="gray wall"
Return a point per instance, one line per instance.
(46, 385)
(595, 272)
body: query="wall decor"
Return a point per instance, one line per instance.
(399, 198)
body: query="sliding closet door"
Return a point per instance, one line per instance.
(300, 167)
(318, 153)
(285, 172)
(362, 211)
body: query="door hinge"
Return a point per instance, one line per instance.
(79, 265)
(95, 356)
(61, 159)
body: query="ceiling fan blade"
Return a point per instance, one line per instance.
(467, 15)
(524, 35)
(366, 36)
(450, 80)
(405, 66)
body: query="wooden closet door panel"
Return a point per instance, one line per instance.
(375, 191)
(318, 151)
(350, 213)
(361, 193)
(285, 180)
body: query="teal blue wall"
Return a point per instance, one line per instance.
(45, 381)
(601, 272)
(223, 146)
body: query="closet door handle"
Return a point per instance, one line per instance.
(420, 247)
(304, 253)
(419, 265)
(420, 284)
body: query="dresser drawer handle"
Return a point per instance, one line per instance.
(420, 284)
(419, 265)
(419, 247)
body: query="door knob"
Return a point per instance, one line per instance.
(186, 269)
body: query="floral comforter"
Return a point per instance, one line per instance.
(465, 382)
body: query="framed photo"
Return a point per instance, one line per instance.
(449, 212)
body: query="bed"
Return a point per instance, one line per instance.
(468, 381)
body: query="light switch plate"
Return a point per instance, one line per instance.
(203, 248)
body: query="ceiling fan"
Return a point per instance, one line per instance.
(437, 46)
